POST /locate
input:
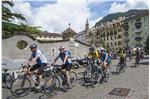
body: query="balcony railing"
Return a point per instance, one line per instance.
(138, 25)
(138, 38)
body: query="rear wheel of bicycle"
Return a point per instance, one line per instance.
(95, 78)
(20, 86)
(52, 86)
(8, 80)
(73, 78)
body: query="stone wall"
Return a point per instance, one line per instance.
(11, 55)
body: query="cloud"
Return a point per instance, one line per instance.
(129, 4)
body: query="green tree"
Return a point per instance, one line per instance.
(7, 14)
(10, 28)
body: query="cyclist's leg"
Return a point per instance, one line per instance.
(68, 67)
(40, 71)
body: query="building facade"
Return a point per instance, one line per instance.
(124, 32)
(110, 34)
(136, 30)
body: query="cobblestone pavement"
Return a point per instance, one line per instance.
(134, 78)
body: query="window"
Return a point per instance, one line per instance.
(119, 30)
(119, 36)
(115, 43)
(115, 37)
(111, 44)
(111, 37)
(119, 43)
(115, 32)
(107, 38)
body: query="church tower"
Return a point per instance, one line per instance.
(87, 25)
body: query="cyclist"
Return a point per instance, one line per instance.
(105, 59)
(93, 54)
(138, 54)
(65, 56)
(122, 56)
(37, 62)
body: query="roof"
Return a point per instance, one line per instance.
(137, 16)
(69, 30)
(50, 34)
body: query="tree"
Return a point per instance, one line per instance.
(7, 14)
(9, 28)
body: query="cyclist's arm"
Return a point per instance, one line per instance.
(66, 57)
(56, 59)
(38, 54)
(106, 57)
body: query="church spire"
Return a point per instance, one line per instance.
(87, 25)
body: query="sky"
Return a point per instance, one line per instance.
(55, 15)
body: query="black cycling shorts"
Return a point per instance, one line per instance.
(38, 66)
(67, 67)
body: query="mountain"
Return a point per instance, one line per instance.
(112, 16)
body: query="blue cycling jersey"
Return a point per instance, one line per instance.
(41, 59)
(62, 56)
(104, 56)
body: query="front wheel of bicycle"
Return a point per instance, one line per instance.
(20, 86)
(8, 80)
(52, 86)
(73, 78)
(95, 79)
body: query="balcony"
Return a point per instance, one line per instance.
(138, 25)
(137, 31)
(138, 38)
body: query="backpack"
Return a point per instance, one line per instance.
(68, 53)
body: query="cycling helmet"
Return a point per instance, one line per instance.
(61, 47)
(102, 49)
(91, 49)
(33, 46)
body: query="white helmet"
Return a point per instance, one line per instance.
(102, 49)
(61, 47)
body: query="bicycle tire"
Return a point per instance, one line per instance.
(95, 79)
(23, 83)
(54, 86)
(73, 78)
(8, 80)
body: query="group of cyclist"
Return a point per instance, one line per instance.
(37, 61)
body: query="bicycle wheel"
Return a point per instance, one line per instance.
(52, 86)
(108, 77)
(95, 78)
(73, 78)
(20, 86)
(8, 80)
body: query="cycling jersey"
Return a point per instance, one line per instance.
(121, 54)
(94, 55)
(41, 59)
(62, 57)
(104, 56)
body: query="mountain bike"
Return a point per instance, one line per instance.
(7, 79)
(21, 86)
(53, 83)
